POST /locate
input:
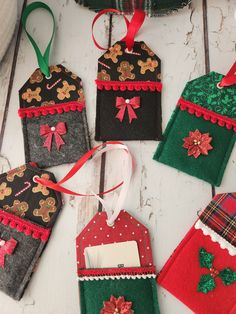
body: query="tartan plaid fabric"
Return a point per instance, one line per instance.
(220, 216)
(151, 7)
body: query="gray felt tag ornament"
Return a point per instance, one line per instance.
(52, 109)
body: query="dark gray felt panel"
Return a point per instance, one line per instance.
(76, 139)
(19, 266)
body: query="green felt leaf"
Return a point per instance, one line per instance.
(228, 276)
(206, 283)
(205, 258)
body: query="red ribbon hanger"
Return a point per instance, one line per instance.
(230, 77)
(79, 164)
(132, 27)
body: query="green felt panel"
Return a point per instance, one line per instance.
(209, 168)
(204, 92)
(141, 292)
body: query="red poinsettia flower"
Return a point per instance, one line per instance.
(197, 143)
(117, 306)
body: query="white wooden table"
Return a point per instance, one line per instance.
(164, 199)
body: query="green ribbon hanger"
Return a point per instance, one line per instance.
(43, 59)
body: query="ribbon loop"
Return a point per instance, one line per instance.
(230, 77)
(132, 27)
(112, 213)
(43, 59)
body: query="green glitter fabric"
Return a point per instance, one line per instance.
(207, 281)
(204, 92)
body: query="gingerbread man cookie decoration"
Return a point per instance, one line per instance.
(54, 68)
(18, 208)
(19, 172)
(104, 76)
(4, 190)
(81, 95)
(42, 188)
(64, 92)
(150, 65)
(113, 53)
(30, 94)
(36, 77)
(46, 207)
(125, 69)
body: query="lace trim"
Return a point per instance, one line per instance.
(136, 85)
(24, 226)
(215, 237)
(208, 115)
(48, 110)
(116, 273)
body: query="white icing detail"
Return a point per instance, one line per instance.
(215, 237)
(144, 276)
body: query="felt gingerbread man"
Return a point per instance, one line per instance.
(125, 69)
(18, 208)
(19, 172)
(36, 77)
(64, 91)
(4, 190)
(113, 53)
(104, 76)
(42, 188)
(149, 64)
(46, 207)
(30, 94)
(54, 68)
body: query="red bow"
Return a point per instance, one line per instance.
(6, 248)
(48, 132)
(130, 104)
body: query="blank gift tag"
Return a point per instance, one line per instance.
(123, 254)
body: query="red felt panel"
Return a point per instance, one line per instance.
(126, 228)
(181, 275)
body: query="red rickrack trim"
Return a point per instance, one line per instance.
(136, 85)
(24, 226)
(126, 271)
(208, 115)
(54, 109)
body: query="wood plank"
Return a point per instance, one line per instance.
(222, 29)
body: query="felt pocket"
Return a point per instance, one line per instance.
(21, 244)
(53, 117)
(140, 121)
(202, 270)
(103, 289)
(209, 167)
(28, 211)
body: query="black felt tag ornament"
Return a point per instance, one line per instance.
(129, 89)
(52, 108)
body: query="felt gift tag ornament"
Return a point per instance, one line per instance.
(27, 215)
(128, 88)
(52, 108)
(202, 270)
(200, 135)
(115, 267)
